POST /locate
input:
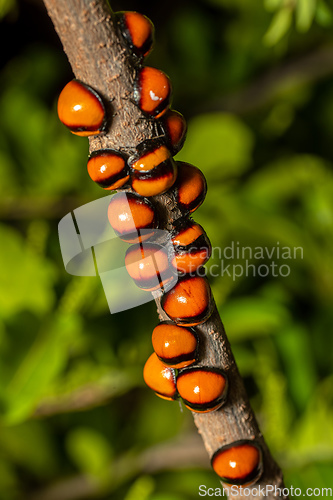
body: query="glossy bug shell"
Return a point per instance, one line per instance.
(148, 266)
(175, 129)
(152, 91)
(137, 30)
(160, 378)
(202, 389)
(190, 187)
(153, 172)
(108, 168)
(189, 302)
(239, 463)
(132, 217)
(176, 346)
(192, 247)
(81, 109)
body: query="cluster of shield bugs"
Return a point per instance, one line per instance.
(172, 371)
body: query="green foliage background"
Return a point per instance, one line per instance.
(255, 80)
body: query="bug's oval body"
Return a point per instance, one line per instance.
(153, 171)
(132, 217)
(108, 168)
(81, 109)
(175, 346)
(238, 463)
(137, 30)
(175, 128)
(148, 265)
(190, 188)
(152, 91)
(202, 389)
(192, 247)
(189, 302)
(160, 378)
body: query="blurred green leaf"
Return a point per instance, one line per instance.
(90, 452)
(305, 13)
(312, 439)
(6, 6)
(273, 387)
(20, 443)
(252, 317)
(324, 15)
(41, 365)
(279, 119)
(8, 172)
(87, 384)
(218, 143)
(26, 279)
(272, 5)
(8, 480)
(279, 26)
(295, 349)
(155, 409)
(141, 489)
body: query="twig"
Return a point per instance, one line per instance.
(39, 207)
(183, 452)
(296, 72)
(83, 398)
(97, 57)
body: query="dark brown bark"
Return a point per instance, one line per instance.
(98, 58)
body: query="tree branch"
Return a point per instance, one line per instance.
(183, 452)
(304, 70)
(97, 57)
